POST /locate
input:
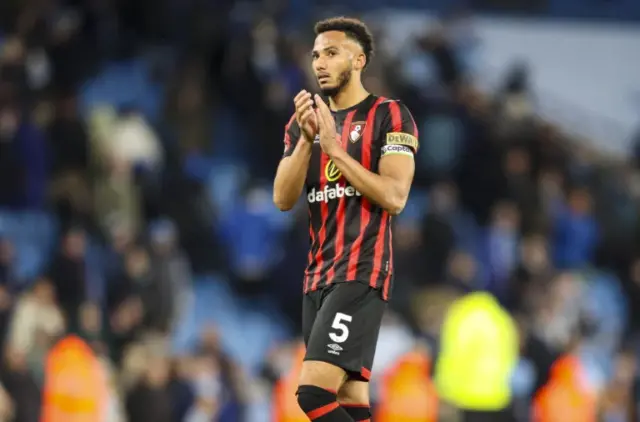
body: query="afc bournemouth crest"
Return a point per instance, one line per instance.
(355, 131)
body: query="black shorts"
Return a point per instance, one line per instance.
(340, 324)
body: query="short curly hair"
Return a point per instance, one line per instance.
(353, 28)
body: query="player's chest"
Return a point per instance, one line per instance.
(357, 137)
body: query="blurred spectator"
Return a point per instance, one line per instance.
(618, 400)
(13, 69)
(409, 247)
(463, 272)
(24, 149)
(438, 228)
(396, 339)
(7, 264)
(569, 380)
(187, 106)
(408, 381)
(10, 169)
(115, 411)
(534, 272)
(448, 68)
(150, 397)
(124, 327)
(69, 272)
(120, 240)
(37, 320)
(138, 290)
(575, 230)
(90, 325)
(117, 198)
(21, 386)
(550, 188)
(207, 390)
(226, 372)
(520, 185)
(181, 391)
(134, 144)
(172, 275)
(7, 409)
(70, 51)
(468, 348)
(516, 105)
(69, 146)
(499, 248)
(558, 318)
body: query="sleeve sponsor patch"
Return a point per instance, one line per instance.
(398, 138)
(396, 149)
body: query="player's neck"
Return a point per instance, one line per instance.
(351, 95)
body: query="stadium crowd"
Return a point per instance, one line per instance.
(114, 201)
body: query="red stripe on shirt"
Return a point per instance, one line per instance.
(378, 254)
(287, 138)
(342, 205)
(415, 128)
(322, 233)
(367, 141)
(396, 117)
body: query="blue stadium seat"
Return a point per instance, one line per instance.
(239, 325)
(124, 83)
(33, 235)
(280, 220)
(211, 300)
(416, 206)
(30, 261)
(197, 167)
(7, 224)
(230, 139)
(605, 302)
(225, 182)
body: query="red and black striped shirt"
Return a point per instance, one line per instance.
(350, 235)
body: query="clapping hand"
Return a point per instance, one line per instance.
(305, 116)
(326, 127)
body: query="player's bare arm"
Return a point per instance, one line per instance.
(292, 170)
(389, 189)
(290, 176)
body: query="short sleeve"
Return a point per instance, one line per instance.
(291, 136)
(399, 130)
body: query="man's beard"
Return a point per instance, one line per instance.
(343, 80)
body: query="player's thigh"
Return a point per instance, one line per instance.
(354, 392)
(322, 374)
(346, 329)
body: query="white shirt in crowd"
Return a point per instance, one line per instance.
(134, 141)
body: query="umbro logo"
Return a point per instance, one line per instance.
(334, 349)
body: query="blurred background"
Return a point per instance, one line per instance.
(146, 275)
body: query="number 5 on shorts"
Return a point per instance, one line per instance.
(342, 330)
